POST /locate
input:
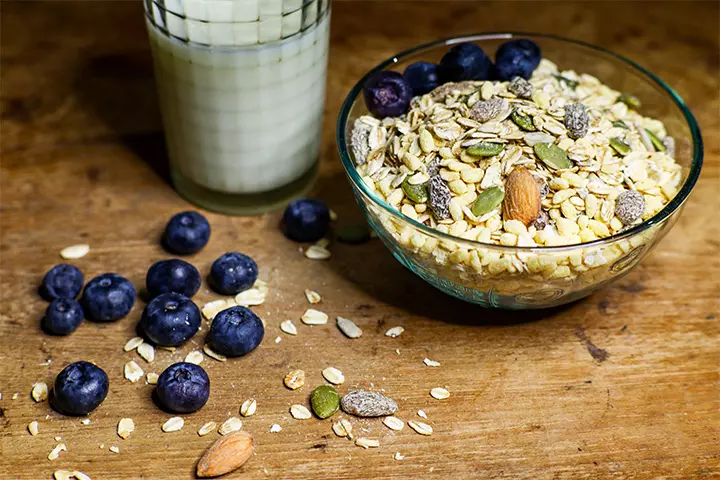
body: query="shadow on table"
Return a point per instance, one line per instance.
(120, 90)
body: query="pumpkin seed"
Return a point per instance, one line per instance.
(324, 401)
(621, 124)
(656, 142)
(487, 201)
(619, 146)
(522, 121)
(416, 193)
(356, 232)
(630, 100)
(572, 84)
(485, 149)
(552, 156)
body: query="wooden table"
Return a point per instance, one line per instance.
(83, 162)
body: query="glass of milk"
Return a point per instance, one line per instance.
(242, 89)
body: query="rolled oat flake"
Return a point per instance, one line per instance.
(487, 110)
(439, 197)
(368, 404)
(629, 206)
(520, 87)
(577, 120)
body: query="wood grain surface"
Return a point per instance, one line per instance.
(83, 162)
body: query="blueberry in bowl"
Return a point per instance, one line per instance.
(422, 77)
(464, 61)
(108, 297)
(235, 332)
(186, 233)
(80, 388)
(387, 94)
(62, 317)
(517, 58)
(233, 273)
(306, 220)
(172, 275)
(183, 387)
(170, 319)
(62, 281)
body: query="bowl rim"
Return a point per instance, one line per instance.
(658, 218)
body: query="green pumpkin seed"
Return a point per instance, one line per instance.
(485, 149)
(416, 193)
(522, 121)
(630, 100)
(621, 124)
(487, 201)
(657, 143)
(552, 156)
(353, 233)
(567, 81)
(619, 146)
(325, 401)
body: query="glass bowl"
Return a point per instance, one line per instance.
(528, 277)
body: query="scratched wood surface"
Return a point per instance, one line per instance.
(622, 385)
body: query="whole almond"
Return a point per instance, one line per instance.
(226, 454)
(522, 197)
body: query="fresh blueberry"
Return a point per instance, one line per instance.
(80, 388)
(236, 331)
(422, 77)
(63, 316)
(186, 233)
(306, 220)
(387, 94)
(108, 297)
(233, 273)
(464, 61)
(61, 281)
(170, 319)
(517, 58)
(183, 387)
(172, 276)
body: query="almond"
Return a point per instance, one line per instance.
(522, 197)
(226, 454)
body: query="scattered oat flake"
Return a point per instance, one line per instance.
(278, 339)
(367, 442)
(55, 452)
(232, 424)
(39, 392)
(300, 412)
(422, 414)
(248, 407)
(393, 423)
(132, 344)
(58, 438)
(315, 252)
(146, 351)
(394, 332)
(250, 298)
(288, 327)
(132, 371)
(398, 456)
(275, 428)
(213, 354)
(75, 251)
(85, 421)
(210, 309)
(348, 327)
(125, 427)
(439, 393)
(312, 296)
(114, 449)
(397, 351)
(420, 427)
(80, 475)
(33, 428)
(343, 428)
(314, 317)
(295, 379)
(431, 363)
(152, 378)
(195, 357)
(207, 428)
(333, 375)
(173, 424)
(167, 349)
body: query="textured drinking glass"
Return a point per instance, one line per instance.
(242, 88)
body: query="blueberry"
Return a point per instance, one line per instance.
(464, 61)
(422, 77)
(233, 273)
(61, 281)
(306, 220)
(183, 387)
(186, 233)
(387, 94)
(108, 297)
(172, 276)
(517, 58)
(63, 316)
(80, 388)
(170, 319)
(236, 331)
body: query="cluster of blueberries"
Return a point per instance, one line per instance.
(171, 317)
(388, 93)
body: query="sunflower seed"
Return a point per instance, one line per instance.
(431, 363)
(288, 327)
(33, 428)
(195, 357)
(314, 317)
(75, 251)
(295, 379)
(300, 412)
(420, 427)
(315, 252)
(348, 327)
(146, 351)
(152, 378)
(55, 452)
(439, 393)
(250, 298)
(125, 427)
(132, 371)
(333, 375)
(394, 332)
(368, 404)
(248, 408)
(367, 442)
(213, 354)
(393, 423)
(207, 428)
(312, 296)
(232, 424)
(132, 344)
(39, 392)
(173, 424)
(343, 428)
